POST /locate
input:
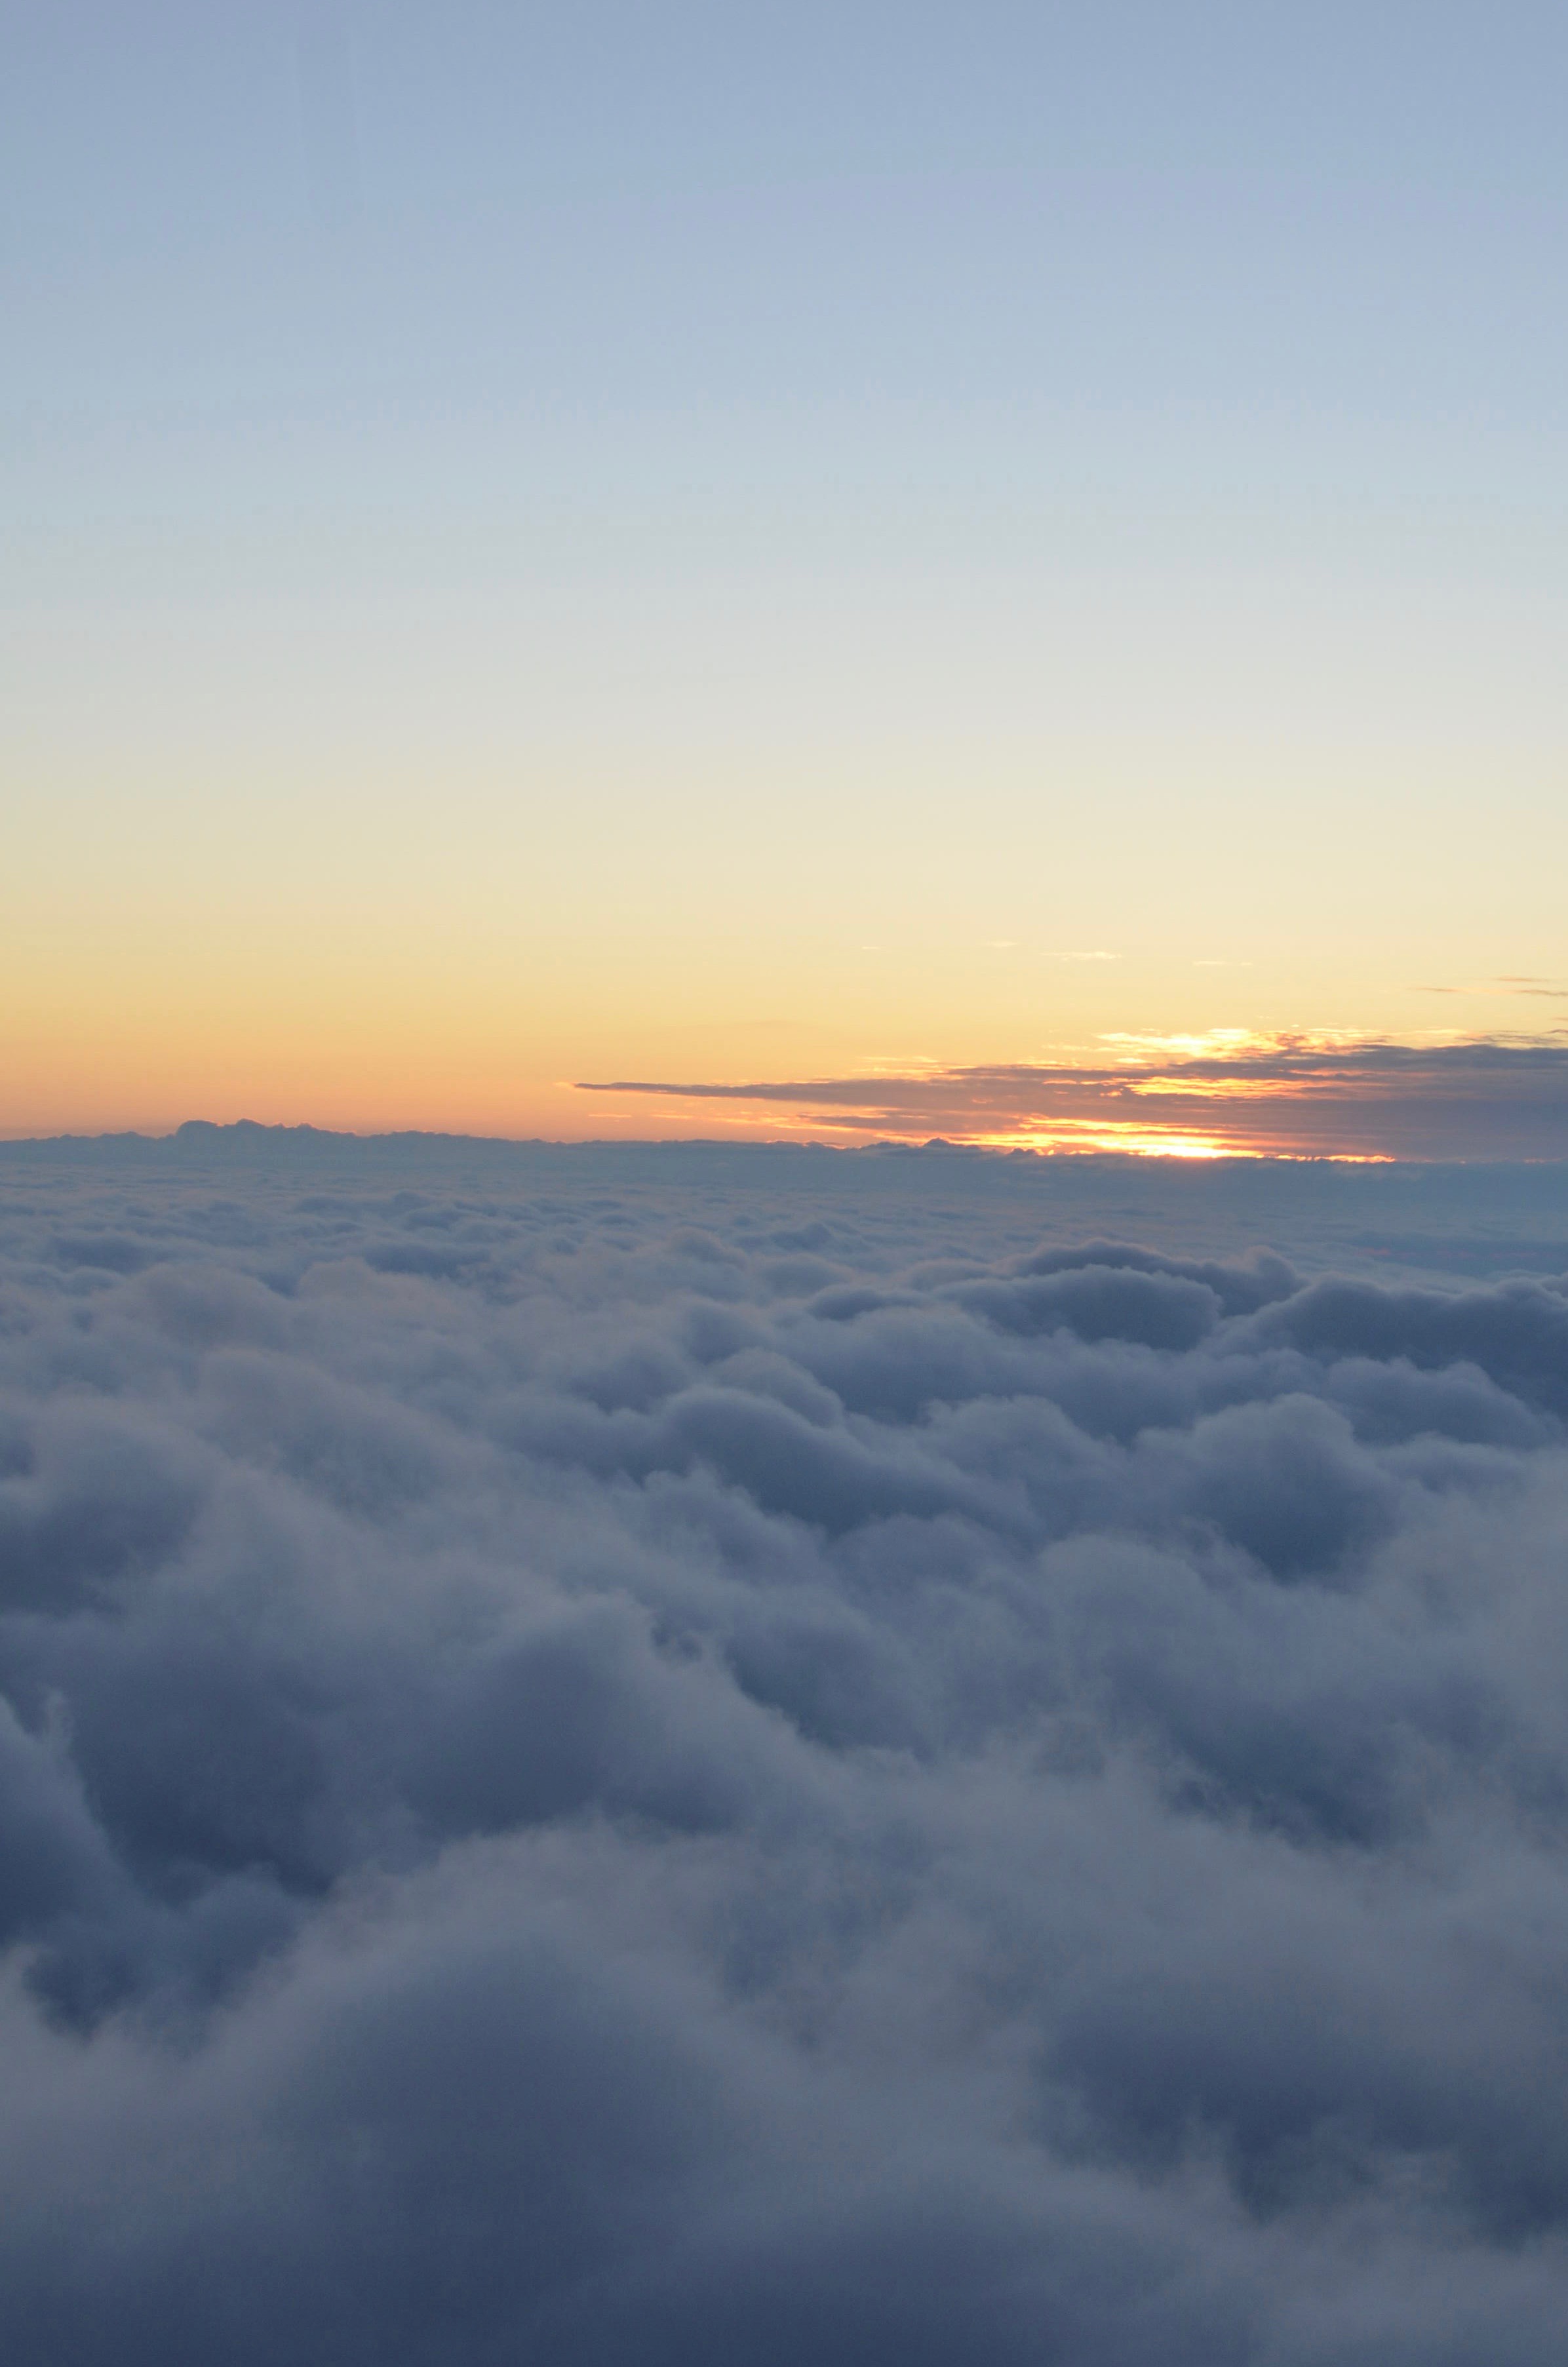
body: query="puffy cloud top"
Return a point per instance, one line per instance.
(647, 1774)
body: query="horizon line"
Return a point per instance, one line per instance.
(236, 1134)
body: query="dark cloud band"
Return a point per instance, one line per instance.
(1472, 1101)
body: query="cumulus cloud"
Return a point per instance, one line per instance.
(1231, 1092)
(690, 1766)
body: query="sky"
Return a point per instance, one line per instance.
(822, 550)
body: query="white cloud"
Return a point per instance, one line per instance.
(656, 1756)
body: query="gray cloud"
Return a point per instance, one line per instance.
(1482, 1099)
(613, 1760)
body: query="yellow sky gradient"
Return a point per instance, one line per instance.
(427, 865)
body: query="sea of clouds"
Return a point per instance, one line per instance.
(709, 1771)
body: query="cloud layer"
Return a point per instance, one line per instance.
(648, 1775)
(1234, 1092)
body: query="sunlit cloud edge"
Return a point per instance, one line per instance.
(1234, 1092)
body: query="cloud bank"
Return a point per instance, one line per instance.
(817, 1783)
(1234, 1093)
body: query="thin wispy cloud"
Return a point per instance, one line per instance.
(1548, 989)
